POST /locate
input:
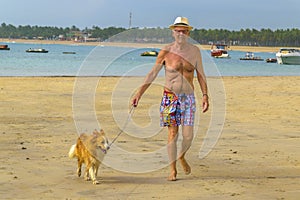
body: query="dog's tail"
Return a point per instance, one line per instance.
(72, 151)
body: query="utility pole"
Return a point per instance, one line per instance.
(130, 16)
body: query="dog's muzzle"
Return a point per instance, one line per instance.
(103, 150)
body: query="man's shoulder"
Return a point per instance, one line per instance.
(195, 47)
(168, 47)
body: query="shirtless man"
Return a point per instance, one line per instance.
(180, 60)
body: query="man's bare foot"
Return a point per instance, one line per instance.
(186, 168)
(172, 176)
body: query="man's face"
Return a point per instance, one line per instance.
(181, 34)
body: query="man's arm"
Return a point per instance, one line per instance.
(149, 78)
(202, 81)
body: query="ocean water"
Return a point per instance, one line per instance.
(122, 61)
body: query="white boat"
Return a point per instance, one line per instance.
(288, 56)
(250, 56)
(40, 50)
(219, 51)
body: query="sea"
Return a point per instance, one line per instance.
(101, 60)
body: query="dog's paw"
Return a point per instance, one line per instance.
(95, 182)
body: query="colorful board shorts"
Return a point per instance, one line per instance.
(177, 109)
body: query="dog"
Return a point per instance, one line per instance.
(90, 149)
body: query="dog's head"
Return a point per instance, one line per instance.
(101, 140)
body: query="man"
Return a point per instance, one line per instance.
(180, 60)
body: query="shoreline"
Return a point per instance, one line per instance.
(138, 45)
(71, 76)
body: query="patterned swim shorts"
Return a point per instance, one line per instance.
(177, 110)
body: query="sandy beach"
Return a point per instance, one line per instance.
(257, 156)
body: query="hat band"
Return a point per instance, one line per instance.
(181, 24)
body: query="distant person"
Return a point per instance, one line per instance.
(180, 61)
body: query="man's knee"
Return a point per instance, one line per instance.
(188, 137)
(187, 133)
(173, 133)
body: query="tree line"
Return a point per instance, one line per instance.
(249, 37)
(245, 37)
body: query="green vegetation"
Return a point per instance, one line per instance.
(263, 37)
(246, 37)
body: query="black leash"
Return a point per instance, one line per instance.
(124, 126)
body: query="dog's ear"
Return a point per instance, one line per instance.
(95, 134)
(102, 132)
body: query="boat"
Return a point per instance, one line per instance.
(219, 51)
(271, 60)
(4, 47)
(149, 53)
(69, 52)
(39, 50)
(250, 56)
(288, 56)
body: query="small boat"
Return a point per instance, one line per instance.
(271, 60)
(40, 50)
(219, 51)
(4, 47)
(69, 52)
(149, 53)
(250, 56)
(288, 56)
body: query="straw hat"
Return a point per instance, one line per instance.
(182, 22)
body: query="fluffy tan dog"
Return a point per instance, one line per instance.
(90, 150)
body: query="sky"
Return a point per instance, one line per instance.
(216, 14)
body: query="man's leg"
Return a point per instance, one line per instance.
(172, 151)
(187, 138)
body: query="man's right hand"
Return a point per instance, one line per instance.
(135, 101)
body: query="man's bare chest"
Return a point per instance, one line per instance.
(177, 63)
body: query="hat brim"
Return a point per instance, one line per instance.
(180, 25)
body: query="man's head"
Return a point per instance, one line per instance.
(181, 28)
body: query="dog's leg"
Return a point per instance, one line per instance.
(93, 175)
(79, 163)
(96, 169)
(96, 173)
(86, 173)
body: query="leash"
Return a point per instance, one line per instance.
(124, 126)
